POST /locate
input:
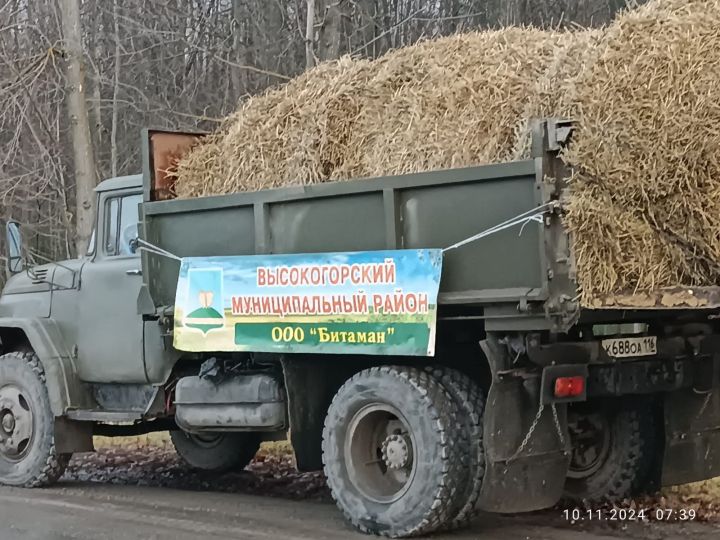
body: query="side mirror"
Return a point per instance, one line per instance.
(15, 260)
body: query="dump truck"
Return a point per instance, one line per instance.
(420, 338)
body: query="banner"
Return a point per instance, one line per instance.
(374, 302)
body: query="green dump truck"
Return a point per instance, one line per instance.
(496, 392)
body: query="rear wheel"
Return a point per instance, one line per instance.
(612, 450)
(27, 426)
(216, 451)
(470, 400)
(391, 452)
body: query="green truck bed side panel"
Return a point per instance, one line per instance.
(424, 210)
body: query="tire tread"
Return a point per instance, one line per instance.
(629, 470)
(55, 464)
(445, 417)
(471, 402)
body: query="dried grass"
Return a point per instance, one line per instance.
(645, 94)
(645, 208)
(444, 103)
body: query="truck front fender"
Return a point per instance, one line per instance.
(44, 337)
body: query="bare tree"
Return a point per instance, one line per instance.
(116, 89)
(78, 117)
(330, 37)
(310, 34)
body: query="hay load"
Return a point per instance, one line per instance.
(644, 92)
(647, 152)
(444, 103)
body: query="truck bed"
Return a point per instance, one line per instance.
(519, 278)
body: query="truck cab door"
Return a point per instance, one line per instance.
(110, 332)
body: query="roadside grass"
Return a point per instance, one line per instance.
(704, 497)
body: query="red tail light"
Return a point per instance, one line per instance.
(569, 386)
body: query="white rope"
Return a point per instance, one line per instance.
(152, 248)
(536, 215)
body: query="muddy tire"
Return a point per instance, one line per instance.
(391, 451)
(216, 451)
(613, 450)
(470, 400)
(27, 425)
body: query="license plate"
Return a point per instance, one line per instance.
(631, 346)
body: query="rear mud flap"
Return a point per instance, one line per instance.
(692, 437)
(692, 422)
(521, 476)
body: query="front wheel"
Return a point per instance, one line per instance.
(391, 450)
(216, 451)
(28, 456)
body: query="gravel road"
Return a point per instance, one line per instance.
(120, 494)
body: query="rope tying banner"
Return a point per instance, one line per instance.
(152, 248)
(536, 215)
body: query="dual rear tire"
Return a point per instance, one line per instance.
(614, 449)
(402, 450)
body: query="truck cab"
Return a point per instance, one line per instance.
(81, 356)
(97, 291)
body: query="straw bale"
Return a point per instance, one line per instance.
(644, 211)
(554, 93)
(458, 103)
(645, 155)
(450, 102)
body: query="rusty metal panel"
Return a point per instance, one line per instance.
(163, 151)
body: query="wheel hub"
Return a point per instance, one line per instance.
(8, 422)
(395, 451)
(379, 453)
(590, 435)
(16, 423)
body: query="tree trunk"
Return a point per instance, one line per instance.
(384, 37)
(238, 51)
(367, 31)
(96, 46)
(116, 88)
(78, 116)
(331, 31)
(310, 35)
